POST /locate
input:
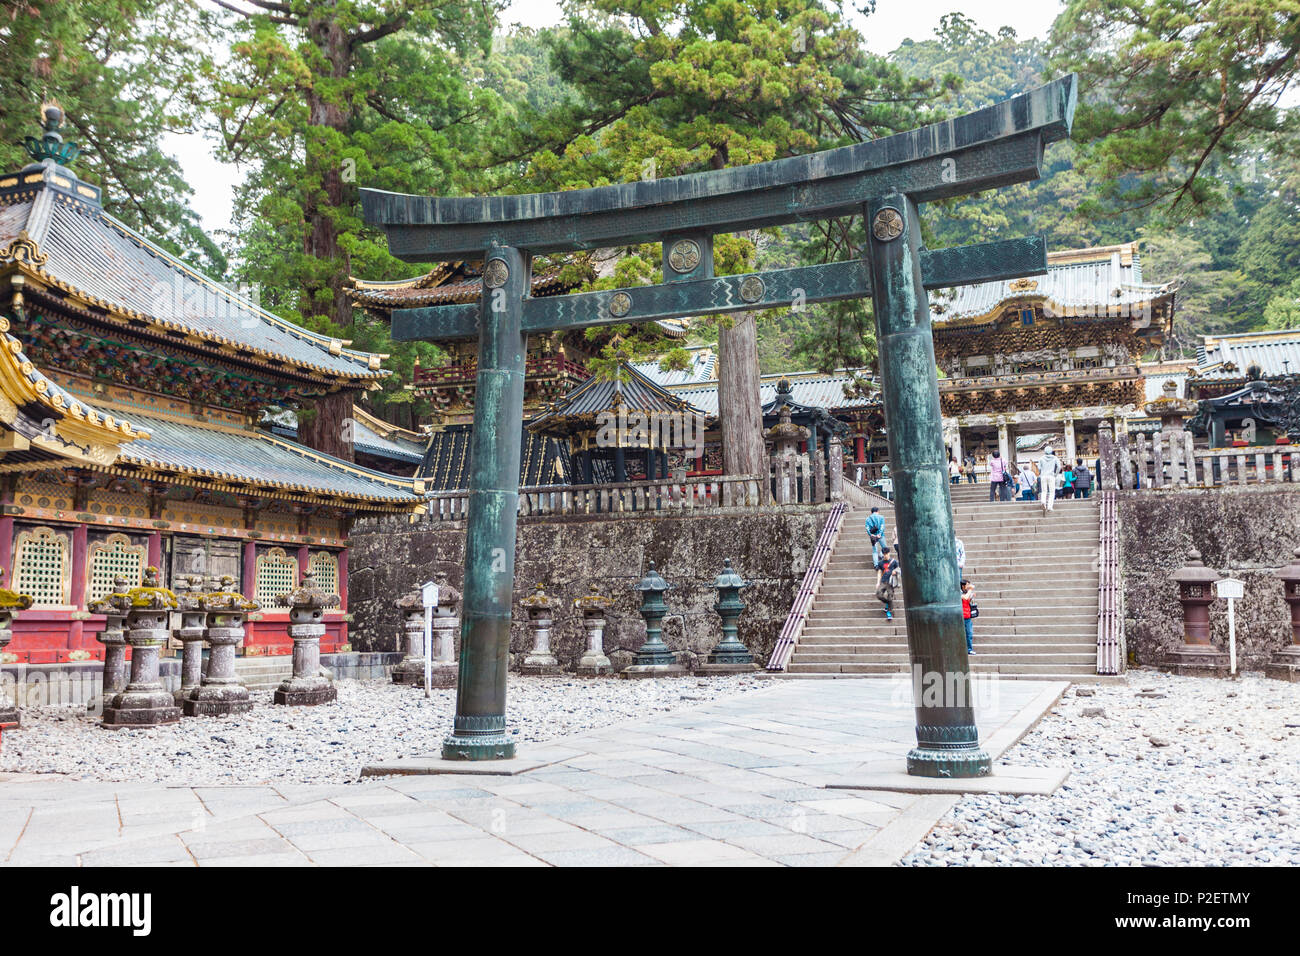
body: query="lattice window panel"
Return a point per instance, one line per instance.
(277, 573)
(115, 556)
(326, 567)
(41, 566)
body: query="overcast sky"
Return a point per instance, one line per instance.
(893, 22)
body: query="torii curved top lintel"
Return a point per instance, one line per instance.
(994, 146)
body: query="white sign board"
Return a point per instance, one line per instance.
(429, 598)
(1233, 590)
(1230, 588)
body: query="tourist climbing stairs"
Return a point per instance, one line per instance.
(1035, 576)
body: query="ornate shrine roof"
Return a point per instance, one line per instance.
(1101, 281)
(260, 460)
(1226, 358)
(54, 229)
(579, 408)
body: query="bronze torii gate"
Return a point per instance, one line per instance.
(884, 180)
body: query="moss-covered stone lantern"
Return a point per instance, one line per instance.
(654, 659)
(309, 685)
(11, 602)
(192, 633)
(145, 702)
(730, 656)
(1197, 655)
(540, 608)
(1285, 663)
(220, 692)
(594, 607)
(114, 606)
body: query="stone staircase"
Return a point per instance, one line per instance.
(1035, 578)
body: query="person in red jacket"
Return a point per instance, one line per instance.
(967, 599)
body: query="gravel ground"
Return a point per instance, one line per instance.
(1176, 770)
(371, 721)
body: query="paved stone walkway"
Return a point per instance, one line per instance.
(734, 782)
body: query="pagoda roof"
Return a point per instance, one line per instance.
(1100, 282)
(262, 461)
(808, 389)
(633, 391)
(1226, 358)
(54, 230)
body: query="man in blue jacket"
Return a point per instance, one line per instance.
(876, 528)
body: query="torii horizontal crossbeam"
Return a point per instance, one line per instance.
(832, 282)
(996, 146)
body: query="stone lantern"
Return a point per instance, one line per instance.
(11, 602)
(113, 606)
(593, 607)
(730, 656)
(1285, 663)
(654, 659)
(1170, 409)
(192, 633)
(220, 692)
(540, 609)
(411, 668)
(785, 437)
(145, 702)
(308, 686)
(1196, 593)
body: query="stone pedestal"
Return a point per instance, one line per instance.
(308, 686)
(593, 607)
(1285, 663)
(192, 633)
(540, 661)
(654, 658)
(145, 702)
(114, 607)
(1197, 656)
(220, 692)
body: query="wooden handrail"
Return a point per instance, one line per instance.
(1110, 622)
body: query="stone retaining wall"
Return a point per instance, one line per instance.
(1242, 532)
(568, 554)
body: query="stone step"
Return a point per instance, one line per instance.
(987, 658)
(1037, 671)
(1076, 596)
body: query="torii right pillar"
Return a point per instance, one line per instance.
(947, 741)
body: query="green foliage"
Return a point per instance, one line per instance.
(1173, 93)
(1283, 310)
(101, 60)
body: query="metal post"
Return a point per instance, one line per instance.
(479, 730)
(946, 736)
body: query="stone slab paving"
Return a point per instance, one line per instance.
(735, 782)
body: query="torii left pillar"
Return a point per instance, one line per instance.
(479, 727)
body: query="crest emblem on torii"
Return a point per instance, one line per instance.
(884, 180)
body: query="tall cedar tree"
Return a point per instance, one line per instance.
(321, 97)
